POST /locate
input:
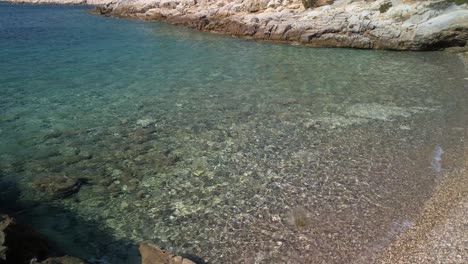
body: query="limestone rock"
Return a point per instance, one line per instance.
(418, 25)
(401, 25)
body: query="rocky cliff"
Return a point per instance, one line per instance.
(62, 2)
(379, 24)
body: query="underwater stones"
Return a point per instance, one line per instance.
(332, 122)
(200, 166)
(377, 112)
(141, 194)
(153, 254)
(299, 218)
(145, 122)
(68, 151)
(85, 155)
(51, 184)
(58, 186)
(383, 112)
(7, 163)
(116, 173)
(52, 135)
(124, 205)
(141, 135)
(185, 209)
(62, 260)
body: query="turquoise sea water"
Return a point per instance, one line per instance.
(231, 150)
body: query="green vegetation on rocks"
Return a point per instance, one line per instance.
(316, 3)
(385, 7)
(458, 2)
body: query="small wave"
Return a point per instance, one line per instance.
(437, 159)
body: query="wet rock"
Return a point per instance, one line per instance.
(141, 194)
(145, 122)
(20, 243)
(457, 49)
(50, 184)
(52, 135)
(141, 135)
(152, 254)
(63, 260)
(59, 187)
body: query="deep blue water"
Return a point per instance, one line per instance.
(212, 145)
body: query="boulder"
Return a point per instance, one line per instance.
(63, 260)
(58, 186)
(153, 254)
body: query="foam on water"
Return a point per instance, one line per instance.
(436, 162)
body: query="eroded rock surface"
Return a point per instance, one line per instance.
(359, 24)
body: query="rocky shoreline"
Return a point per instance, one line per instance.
(20, 243)
(381, 24)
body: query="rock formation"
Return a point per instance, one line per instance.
(359, 24)
(152, 254)
(63, 2)
(380, 24)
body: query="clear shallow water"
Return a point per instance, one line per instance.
(235, 151)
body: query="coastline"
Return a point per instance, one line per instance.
(58, 2)
(444, 214)
(408, 25)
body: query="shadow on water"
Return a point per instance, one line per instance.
(68, 233)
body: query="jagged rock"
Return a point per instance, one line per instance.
(152, 254)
